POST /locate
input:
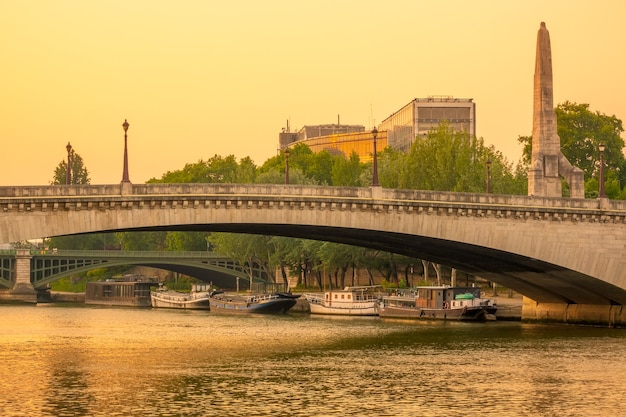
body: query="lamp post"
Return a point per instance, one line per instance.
(601, 194)
(68, 175)
(488, 176)
(125, 173)
(375, 164)
(287, 152)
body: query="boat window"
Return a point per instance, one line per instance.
(349, 296)
(343, 296)
(335, 296)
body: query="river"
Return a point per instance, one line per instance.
(76, 360)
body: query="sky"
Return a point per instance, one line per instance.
(198, 78)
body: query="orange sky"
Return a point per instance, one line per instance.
(197, 78)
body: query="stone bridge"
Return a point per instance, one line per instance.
(566, 255)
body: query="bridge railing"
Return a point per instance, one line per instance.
(195, 190)
(127, 254)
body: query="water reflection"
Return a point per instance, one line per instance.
(60, 361)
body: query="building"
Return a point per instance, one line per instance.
(423, 115)
(398, 131)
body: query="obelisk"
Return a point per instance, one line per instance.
(548, 162)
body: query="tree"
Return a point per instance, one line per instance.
(217, 169)
(448, 160)
(251, 251)
(347, 172)
(391, 167)
(78, 175)
(582, 131)
(92, 241)
(141, 241)
(186, 241)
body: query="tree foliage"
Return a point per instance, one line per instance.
(78, 171)
(447, 160)
(217, 169)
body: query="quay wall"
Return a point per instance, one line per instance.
(67, 297)
(589, 314)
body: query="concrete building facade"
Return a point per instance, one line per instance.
(423, 115)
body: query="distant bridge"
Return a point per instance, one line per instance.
(566, 252)
(49, 265)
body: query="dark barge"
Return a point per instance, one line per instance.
(125, 292)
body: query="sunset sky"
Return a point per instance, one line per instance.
(197, 78)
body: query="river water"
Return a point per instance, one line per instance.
(64, 360)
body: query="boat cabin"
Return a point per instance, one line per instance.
(445, 297)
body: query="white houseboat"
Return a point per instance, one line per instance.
(351, 301)
(197, 299)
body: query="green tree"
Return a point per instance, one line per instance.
(582, 131)
(142, 241)
(186, 241)
(391, 167)
(249, 250)
(275, 176)
(347, 172)
(217, 169)
(78, 175)
(447, 160)
(92, 241)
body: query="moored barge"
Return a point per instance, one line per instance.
(124, 292)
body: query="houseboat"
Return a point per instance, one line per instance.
(197, 299)
(233, 303)
(437, 302)
(351, 301)
(132, 292)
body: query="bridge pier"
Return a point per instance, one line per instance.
(23, 290)
(589, 314)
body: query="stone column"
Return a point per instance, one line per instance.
(23, 289)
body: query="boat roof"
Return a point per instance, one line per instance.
(362, 287)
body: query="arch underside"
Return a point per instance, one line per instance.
(536, 279)
(219, 276)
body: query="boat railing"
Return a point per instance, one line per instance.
(262, 297)
(314, 297)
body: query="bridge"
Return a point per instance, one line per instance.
(567, 256)
(46, 266)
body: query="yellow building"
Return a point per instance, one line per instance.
(345, 140)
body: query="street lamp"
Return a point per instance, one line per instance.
(287, 152)
(68, 175)
(602, 194)
(125, 173)
(375, 165)
(488, 176)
